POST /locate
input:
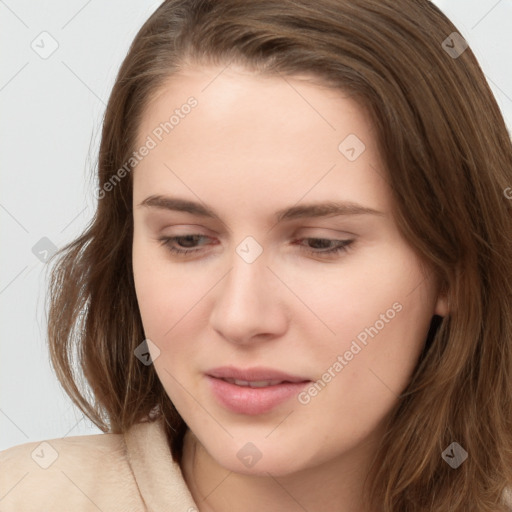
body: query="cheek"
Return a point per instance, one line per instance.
(159, 295)
(380, 317)
(379, 350)
(149, 289)
(367, 388)
(162, 292)
(377, 288)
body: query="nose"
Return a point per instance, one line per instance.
(249, 303)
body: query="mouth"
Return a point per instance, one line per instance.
(255, 375)
(253, 391)
(256, 383)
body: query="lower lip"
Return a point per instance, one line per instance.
(252, 401)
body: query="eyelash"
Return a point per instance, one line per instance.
(342, 247)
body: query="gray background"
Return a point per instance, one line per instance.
(52, 107)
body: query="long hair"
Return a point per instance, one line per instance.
(448, 158)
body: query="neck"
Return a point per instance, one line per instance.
(335, 485)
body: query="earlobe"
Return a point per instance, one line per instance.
(442, 308)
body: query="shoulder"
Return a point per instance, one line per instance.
(73, 473)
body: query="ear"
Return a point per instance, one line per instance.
(442, 308)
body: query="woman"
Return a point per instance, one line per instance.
(296, 290)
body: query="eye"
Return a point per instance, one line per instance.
(330, 246)
(316, 246)
(187, 240)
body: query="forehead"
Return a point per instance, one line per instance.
(273, 132)
(270, 108)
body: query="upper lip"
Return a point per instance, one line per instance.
(258, 373)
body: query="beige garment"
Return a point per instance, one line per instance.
(105, 472)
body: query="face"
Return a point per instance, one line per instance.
(286, 312)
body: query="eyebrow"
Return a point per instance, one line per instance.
(309, 210)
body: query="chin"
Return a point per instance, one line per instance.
(250, 460)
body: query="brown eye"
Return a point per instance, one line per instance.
(320, 246)
(186, 243)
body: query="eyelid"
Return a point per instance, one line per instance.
(189, 230)
(331, 232)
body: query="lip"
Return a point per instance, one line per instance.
(253, 401)
(253, 374)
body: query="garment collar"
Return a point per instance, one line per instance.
(159, 478)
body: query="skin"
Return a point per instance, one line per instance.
(252, 146)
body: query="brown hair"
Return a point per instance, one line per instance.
(448, 157)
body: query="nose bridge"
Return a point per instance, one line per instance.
(248, 276)
(246, 304)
